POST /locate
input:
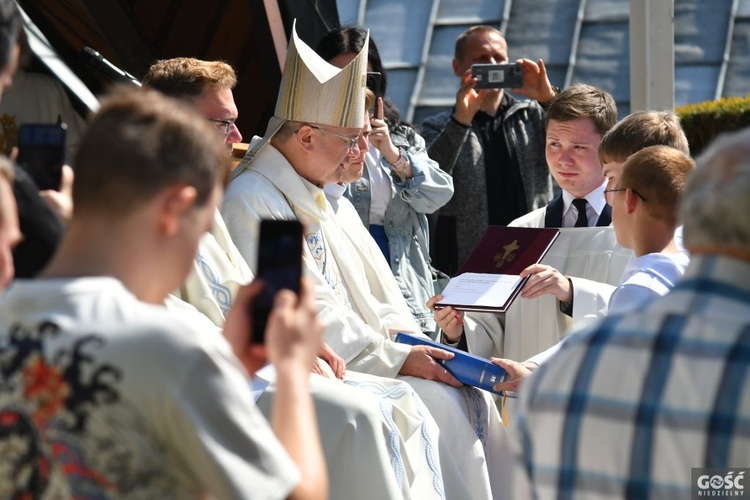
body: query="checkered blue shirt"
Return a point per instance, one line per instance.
(628, 406)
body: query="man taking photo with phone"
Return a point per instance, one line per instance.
(492, 145)
(41, 215)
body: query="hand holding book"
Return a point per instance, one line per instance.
(465, 367)
(428, 361)
(450, 321)
(490, 279)
(516, 373)
(544, 280)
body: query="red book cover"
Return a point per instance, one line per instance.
(509, 250)
(488, 280)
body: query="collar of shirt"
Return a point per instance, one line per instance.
(334, 189)
(594, 208)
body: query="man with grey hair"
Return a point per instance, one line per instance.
(638, 405)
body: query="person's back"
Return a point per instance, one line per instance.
(106, 392)
(664, 390)
(101, 392)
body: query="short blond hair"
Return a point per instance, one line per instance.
(139, 142)
(640, 130)
(659, 175)
(187, 77)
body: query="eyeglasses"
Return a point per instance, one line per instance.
(226, 124)
(351, 141)
(606, 198)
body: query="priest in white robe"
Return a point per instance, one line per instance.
(317, 123)
(378, 438)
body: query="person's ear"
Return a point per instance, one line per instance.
(305, 138)
(457, 68)
(175, 203)
(631, 200)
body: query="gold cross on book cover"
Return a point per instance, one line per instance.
(488, 281)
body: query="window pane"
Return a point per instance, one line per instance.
(700, 32)
(399, 29)
(695, 83)
(485, 10)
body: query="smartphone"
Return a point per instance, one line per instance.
(41, 152)
(497, 76)
(374, 79)
(279, 266)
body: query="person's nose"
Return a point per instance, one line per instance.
(566, 157)
(234, 135)
(362, 142)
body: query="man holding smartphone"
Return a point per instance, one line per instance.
(492, 145)
(40, 220)
(137, 401)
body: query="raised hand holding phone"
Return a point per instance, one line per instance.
(61, 200)
(279, 268)
(293, 331)
(496, 76)
(380, 136)
(41, 152)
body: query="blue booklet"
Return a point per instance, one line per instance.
(468, 368)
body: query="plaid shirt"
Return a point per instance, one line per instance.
(631, 404)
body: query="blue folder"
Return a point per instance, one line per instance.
(468, 368)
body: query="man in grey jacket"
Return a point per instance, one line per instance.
(492, 145)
